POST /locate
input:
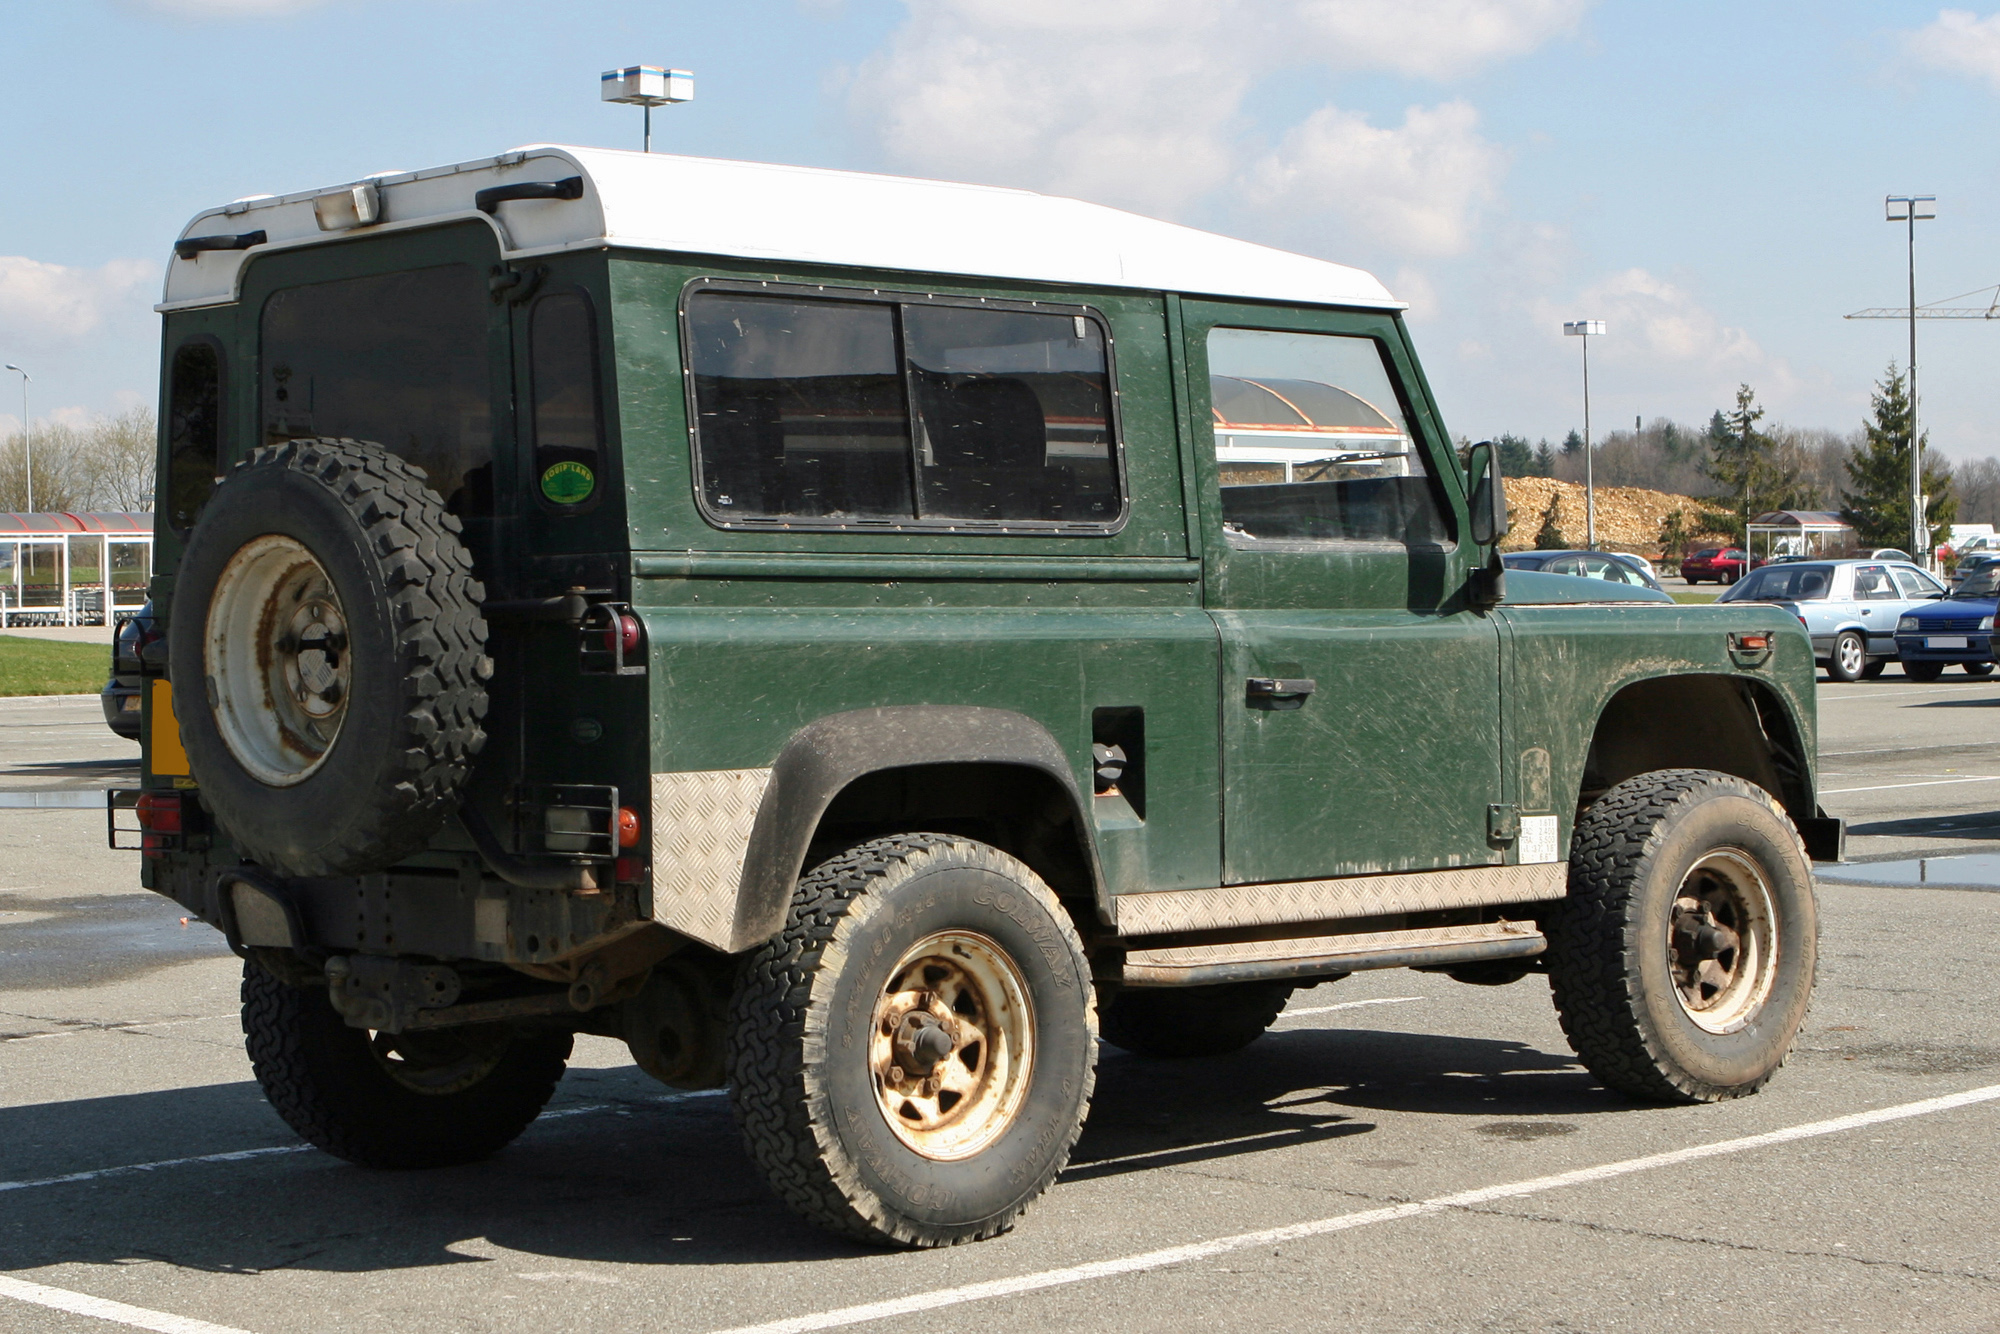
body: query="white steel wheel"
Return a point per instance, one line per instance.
(278, 666)
(952, 1045)
(1721, 941)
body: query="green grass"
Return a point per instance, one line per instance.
(1694, 597)
(52, 666)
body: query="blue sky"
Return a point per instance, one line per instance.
(1707, 178)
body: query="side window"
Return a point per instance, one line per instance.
(400, 359)
(568, 422)
(194, 431)
(898, 413)
(1312, 445)
(1564, 565)
(1914, 583)
(1872, 584)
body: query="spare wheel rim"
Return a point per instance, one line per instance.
(278, 660)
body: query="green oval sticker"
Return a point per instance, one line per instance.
(568, 483)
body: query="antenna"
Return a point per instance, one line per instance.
(646, 86)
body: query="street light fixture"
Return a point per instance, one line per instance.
(27, 439)
(646, 86)
(1584, 329)
(1911, 210)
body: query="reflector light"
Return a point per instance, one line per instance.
(628, 869)
(159, 812)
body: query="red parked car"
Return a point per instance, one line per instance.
(1725, 565)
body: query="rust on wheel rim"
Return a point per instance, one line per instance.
(951, 1047)
(278, 661)
(1722, 941)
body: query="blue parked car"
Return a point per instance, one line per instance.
(1959, 629)
(1850, 607)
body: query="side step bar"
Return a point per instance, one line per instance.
(1311, 956)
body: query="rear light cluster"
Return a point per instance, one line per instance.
(162, 821)
(629, 869)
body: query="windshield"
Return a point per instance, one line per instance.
(1982, 585)
(1783, 583)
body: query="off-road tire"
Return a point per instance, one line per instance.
(1848, 659)
(324, 1079)
(800, 1024)
(416, 651)
(1608, 956)
(1173, 1023)
(1922, 671)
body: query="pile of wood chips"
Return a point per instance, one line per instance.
(1628, 517)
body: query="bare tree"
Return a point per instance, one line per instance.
(106, 464)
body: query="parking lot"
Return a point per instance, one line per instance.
(1400, 1153)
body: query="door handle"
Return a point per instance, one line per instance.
(1278, 692)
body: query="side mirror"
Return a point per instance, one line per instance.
(1489, 497)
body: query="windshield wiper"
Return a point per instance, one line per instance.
(1352, 456)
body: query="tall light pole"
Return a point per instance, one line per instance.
(1584, 329)
(1910, 210)
(27, 439)
(646, 86)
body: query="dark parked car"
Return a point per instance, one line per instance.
(1608, 565)
(1957, 629)
(120, 695)
(1725, 565)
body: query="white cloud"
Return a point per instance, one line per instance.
(1414, 189)
(43, 303)
(1958, 41)
(1140, 102)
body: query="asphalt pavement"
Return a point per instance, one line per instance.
(1401, 1152)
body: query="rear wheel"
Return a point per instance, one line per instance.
(1682, 961)
(1922, 671)
(911, 1058)
(1849, 657)
(1193, 1021)
(425, 1099)
(1977, 668)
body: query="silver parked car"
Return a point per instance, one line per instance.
(1849, 607)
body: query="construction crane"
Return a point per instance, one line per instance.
(1938, 310)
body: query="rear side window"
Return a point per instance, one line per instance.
(568, 425)
(194, 431)
(399, 359)
(1783, 583)
(1312, 443)
(900, 412)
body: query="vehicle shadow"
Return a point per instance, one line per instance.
(1981, 825)
(647, 1179)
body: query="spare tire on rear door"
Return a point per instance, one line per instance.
(328, 657)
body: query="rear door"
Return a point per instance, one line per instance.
(1877, 604)
(1360, 696)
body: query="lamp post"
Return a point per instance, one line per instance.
(1910, 210)
(1584, 329)
(27, 438)
(646, 86)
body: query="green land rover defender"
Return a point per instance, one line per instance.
(859, 641)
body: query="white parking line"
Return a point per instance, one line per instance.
(1319, 1227)
(1349, 1005)
(1886, 787)
(118, 1313)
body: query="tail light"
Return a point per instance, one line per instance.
(623, 635)
(628, 827)
(159, 812)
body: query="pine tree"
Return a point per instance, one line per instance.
(1878, 502)
(1545, 460)
(1754, 474)
(1572, 443)
(1517, 457)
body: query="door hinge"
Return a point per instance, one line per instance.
(1503, 822)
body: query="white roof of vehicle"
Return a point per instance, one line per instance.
(758, 211)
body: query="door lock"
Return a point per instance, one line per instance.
(1278, 692)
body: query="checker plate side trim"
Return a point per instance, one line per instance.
(701, 834)
(1169, 912)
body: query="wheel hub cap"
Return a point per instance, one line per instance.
(1722, 941)
(952, 1045)
(279, 667)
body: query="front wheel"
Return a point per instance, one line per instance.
(1682, 961)
(1849, 658)
(432, 1098)
(1874, 668)
(1977, 668)
(1923, 671)
(912, 1057)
